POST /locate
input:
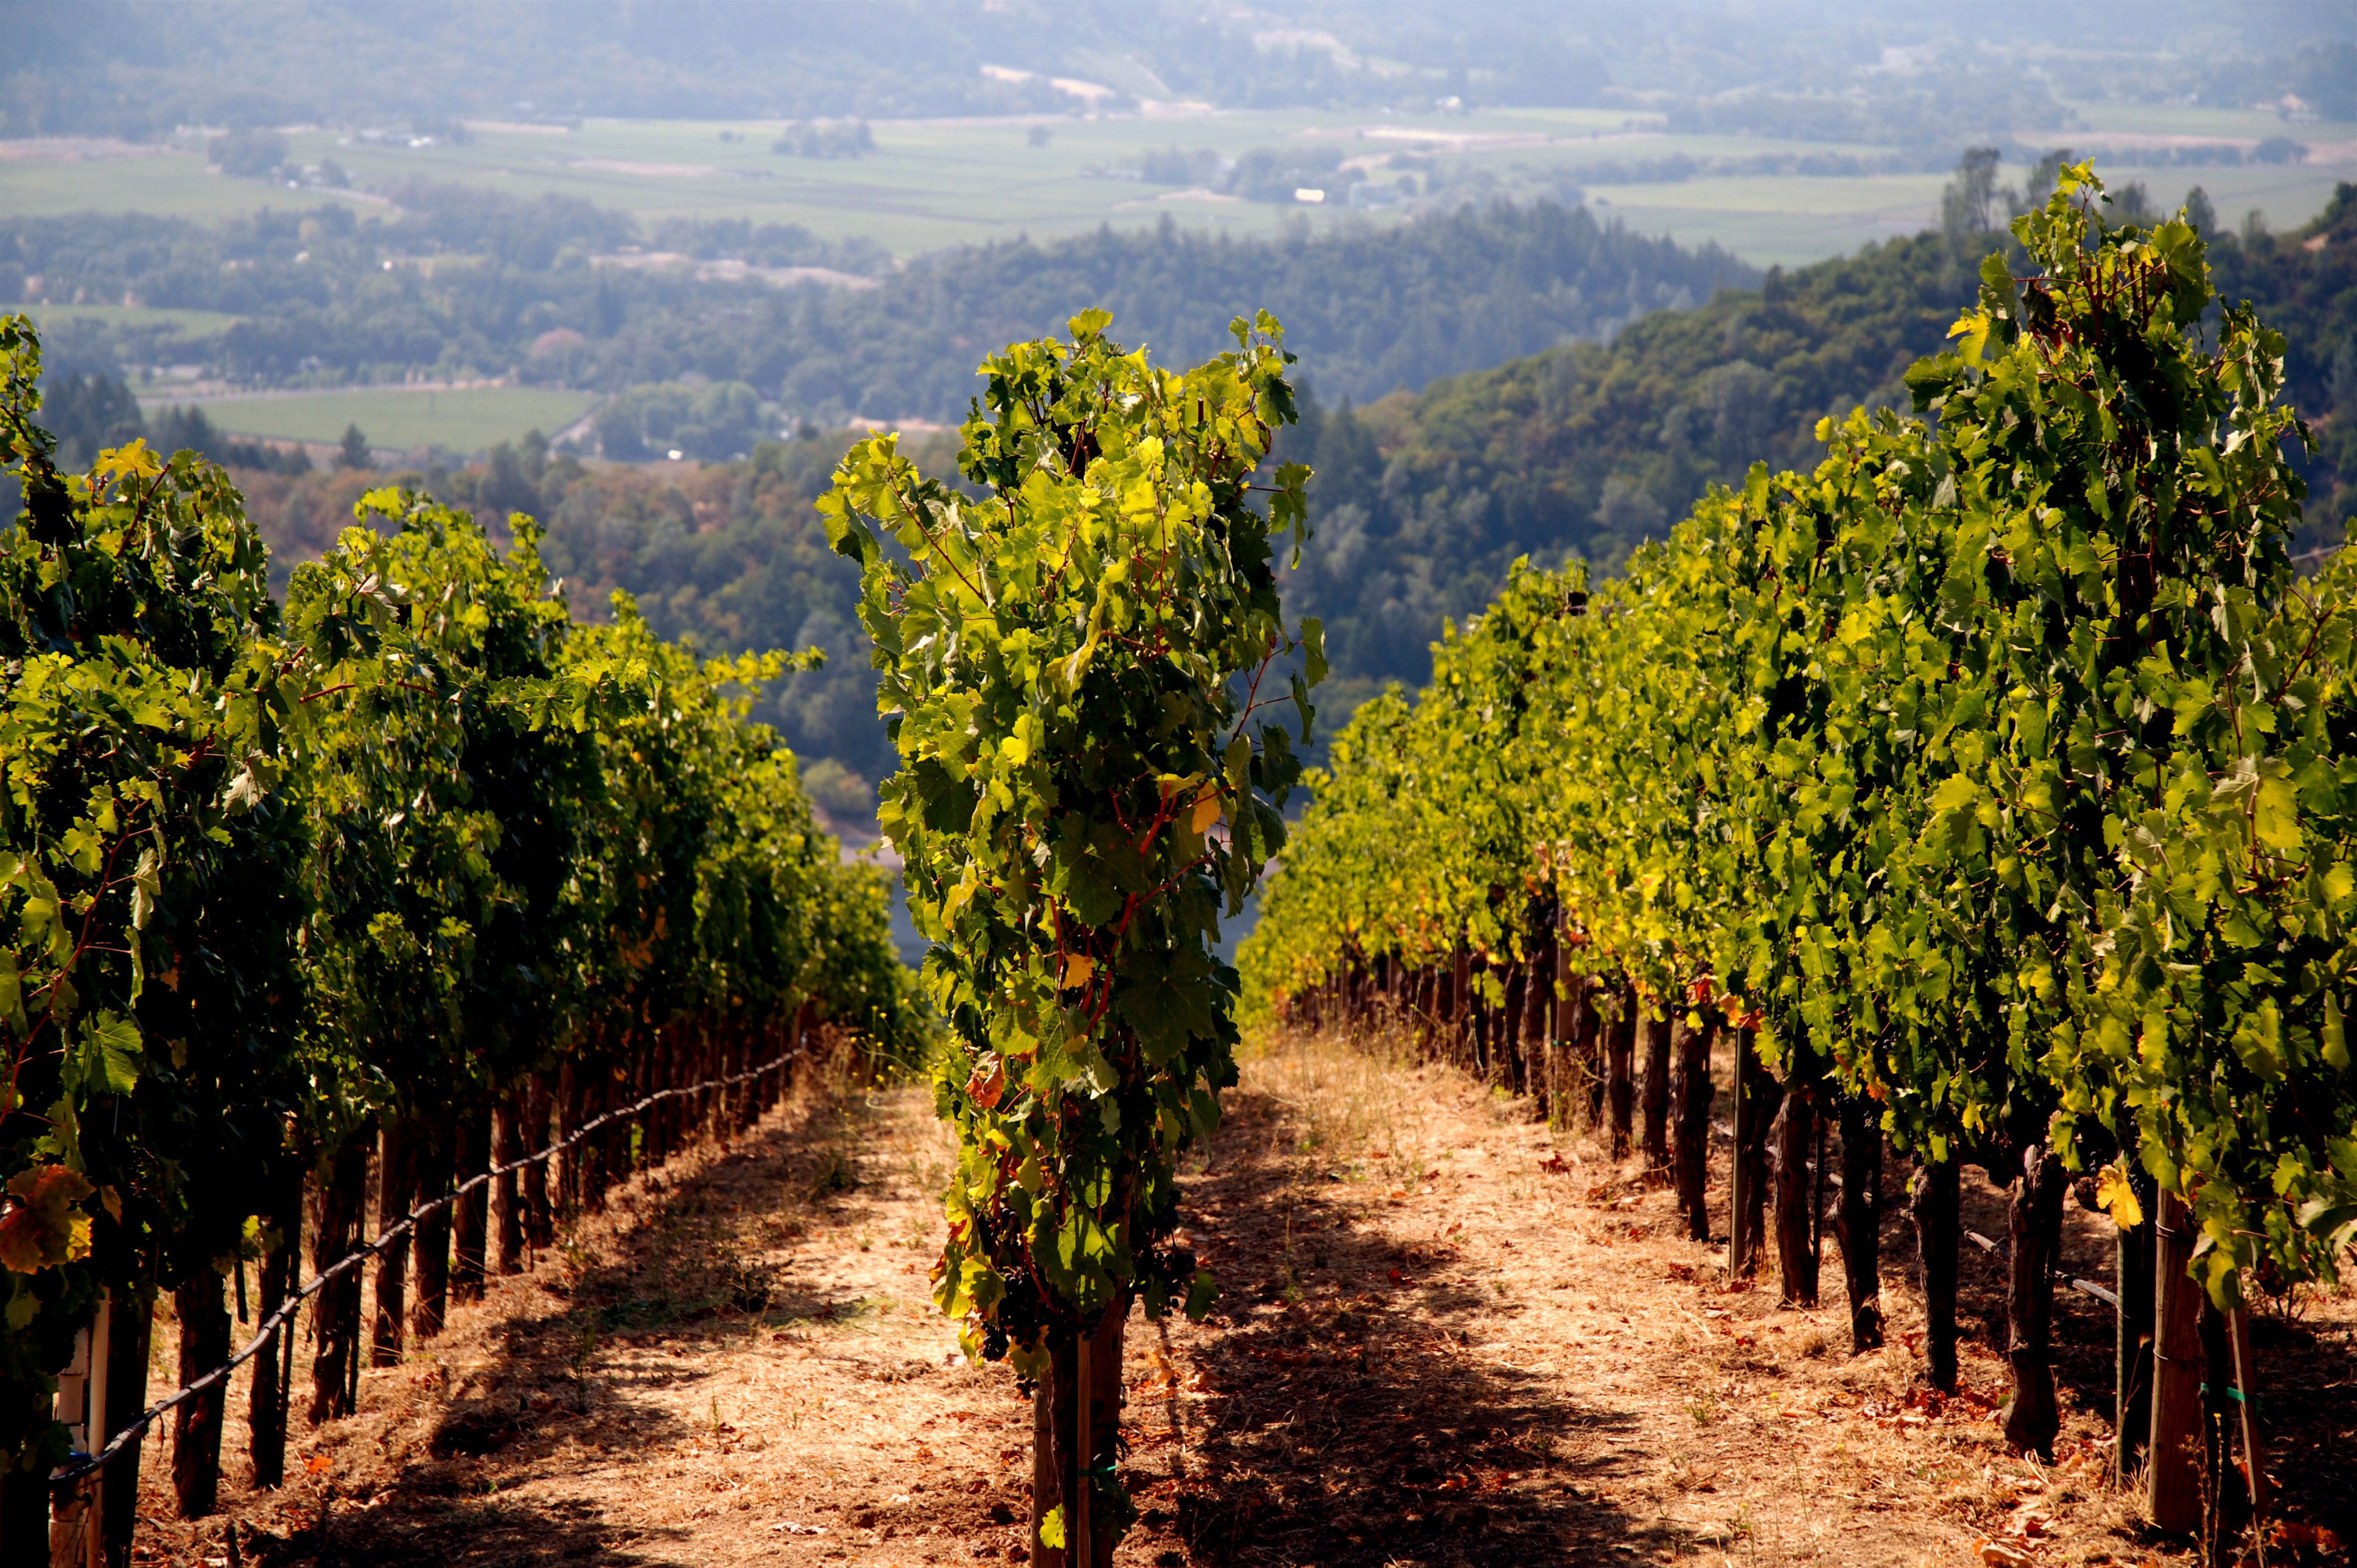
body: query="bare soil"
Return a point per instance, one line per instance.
(1449, 1334)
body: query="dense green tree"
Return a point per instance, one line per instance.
(1993, 768)
(1587, 449)
(1076, 662)
(513, 292)
(272, 882)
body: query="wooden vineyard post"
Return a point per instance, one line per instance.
(1588, 1048)
(592, 1159)
(1817, 1190)
(1549, 1061)
(1857, 1226)
(1479, 1014)
(266, 1402)
(1075, 1432)
(1789, 1138)
(1103, 1439)
(396, 1190)
(1509, 1054)
(1564, 1019)
(1538, 1033)
(1620, 1051)
(430, 1241)
(76, 1509)
(2173, 1468)
(2132, 1279)
(1690, 1150)
(571, 1195)
(1738, 1251)
(1461, 1014)
(507, 1215)
(705, 1105)
(1538, 1014)
(1934, 1204)
(130, 1332)
(471, 1220)
(2217, 1436)
(339, 1195)
(656, 1071)
(539, 1212)
(750, 1103)
(2246, 1411)
(1045, 1474)
(1657, 1147)
(2034, 1221)
(197, 1424)
(1763, 1097)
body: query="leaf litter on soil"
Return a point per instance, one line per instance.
(1446, 1334)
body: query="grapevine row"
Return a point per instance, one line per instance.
(411, 868)
(1995, 781)
(1078, 663)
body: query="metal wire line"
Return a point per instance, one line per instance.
(76, 1469)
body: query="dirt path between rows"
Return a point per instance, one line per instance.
(1447, 1336)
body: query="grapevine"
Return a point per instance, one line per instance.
(286, 886)
(1988, 778)
(1081, 665)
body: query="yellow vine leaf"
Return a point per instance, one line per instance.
(135, 460)
(42, 1229)
(1206, 812)
(2117, 1195)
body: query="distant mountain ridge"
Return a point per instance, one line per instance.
(322, 297)
(1421, 503)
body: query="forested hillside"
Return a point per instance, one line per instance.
(125, 67)
(1422, 502)
(2306, 284)
(1368, 310)
(455, 284)
(730, 555)
(1843, 72)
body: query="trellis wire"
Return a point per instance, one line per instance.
(76, 1469)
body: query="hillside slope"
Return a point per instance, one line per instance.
(460, 287)
(1421, 501)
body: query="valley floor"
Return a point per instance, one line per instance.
(1447, 1336)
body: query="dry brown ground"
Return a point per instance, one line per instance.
(1449, 1336)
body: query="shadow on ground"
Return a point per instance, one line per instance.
(1352, 1419)
(561, 1384)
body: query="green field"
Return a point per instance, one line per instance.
(400, 418)
(194, 322)
(170, 327)
(1791, 220)
(934, 183)
(174, 182)
(927, 185)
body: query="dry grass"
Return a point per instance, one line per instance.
(1447, 1336)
